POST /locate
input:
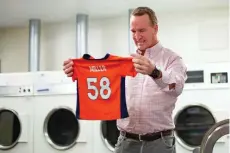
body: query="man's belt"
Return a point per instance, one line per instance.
(147, 137)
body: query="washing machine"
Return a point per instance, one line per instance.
(55, 124)
(105, 134)
(204, 101)
(16, 113)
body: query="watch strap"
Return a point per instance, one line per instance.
(155, 73)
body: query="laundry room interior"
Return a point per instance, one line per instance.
(41, 106)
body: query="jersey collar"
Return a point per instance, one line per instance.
(89, 57)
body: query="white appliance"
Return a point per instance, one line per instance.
(204, 101)
(55, 125)
(16, 113)
(105, 134)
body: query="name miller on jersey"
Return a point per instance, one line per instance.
(100, 68)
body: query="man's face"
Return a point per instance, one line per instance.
(143, 32)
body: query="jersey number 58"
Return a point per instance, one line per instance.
(101, 90)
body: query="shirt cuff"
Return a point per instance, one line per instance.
(164, 80)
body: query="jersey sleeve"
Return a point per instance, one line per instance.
(127, 67)
(74, 76)
(75, 66)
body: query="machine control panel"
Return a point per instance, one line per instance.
(23, 90)
(220, 77)
(195, 76)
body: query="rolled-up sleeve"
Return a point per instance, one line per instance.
(174, 75)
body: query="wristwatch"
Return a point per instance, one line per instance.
(155, 73)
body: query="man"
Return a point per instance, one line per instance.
(152, 94)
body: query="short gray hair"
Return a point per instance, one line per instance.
(139, 11)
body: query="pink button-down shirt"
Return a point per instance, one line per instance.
(150, 102)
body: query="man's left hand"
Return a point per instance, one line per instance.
(142, 64)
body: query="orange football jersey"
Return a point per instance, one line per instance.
(101, 86)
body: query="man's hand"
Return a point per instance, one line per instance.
(68, 67)
(142, 64)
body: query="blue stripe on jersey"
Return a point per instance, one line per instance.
(78, 105)
(124, 112)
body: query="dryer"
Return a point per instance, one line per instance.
(204, 101)
(56, 126)
(16, 113)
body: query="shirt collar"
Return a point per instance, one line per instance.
(154, 50)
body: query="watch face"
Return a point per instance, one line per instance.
(155, 73)
(158, 73)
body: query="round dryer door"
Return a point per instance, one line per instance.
(191, 124)
(10, 129)
(110, 133)
(61, 128)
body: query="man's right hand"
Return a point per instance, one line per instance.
(68, 67)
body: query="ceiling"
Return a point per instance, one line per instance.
(18, 12)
